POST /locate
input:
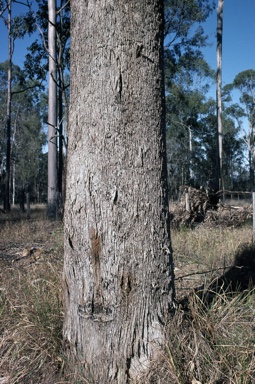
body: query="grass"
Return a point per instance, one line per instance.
(210, 340)
(214, 344)
(30, 299)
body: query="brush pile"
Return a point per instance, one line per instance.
(205, 206)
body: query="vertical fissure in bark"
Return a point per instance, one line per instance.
(95, 254)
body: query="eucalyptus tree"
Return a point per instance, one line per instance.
(219, 179)
(118, 272)
(6, 15)
(182, 16)
(26, 132)
(37, 60)
(234, 164)
(184, 34)
(187, 76)
(245, 83)
(185, 106)
(52, 113)
(17, 27)
(27, 149)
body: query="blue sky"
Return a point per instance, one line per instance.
(21, 45)
(238, 39)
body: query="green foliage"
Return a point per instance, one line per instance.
(23, 25)
(190, 115)
(27, 136)
(245, 83)
(181, 16)
(36, 64)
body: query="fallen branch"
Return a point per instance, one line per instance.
(209, 271)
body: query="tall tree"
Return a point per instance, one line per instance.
(118, 271)
(184, 34)
(17, 28)
(8, 21)
(187, 75)
(26, 136)
(36, 65)
(219, 178)
(52, 114)
(245, 83)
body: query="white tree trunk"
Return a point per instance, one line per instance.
(219, 87)
(52, 113)
(118, 273)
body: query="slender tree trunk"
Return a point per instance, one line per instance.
(60, 140)
(62, 102)
(8, 111)
(118, 273)
(13, 183)
(52, 114)
(28, 204)
(251, 150)
(219, 177)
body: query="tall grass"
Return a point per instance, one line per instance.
(210, 344)
(210, 339)
(30, 300)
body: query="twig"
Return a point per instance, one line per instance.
(203, 272)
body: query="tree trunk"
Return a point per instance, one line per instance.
(28, 205)
(52, 114)
(60, 140)
(118, 272)
(13, 183)
(219, 177)
(8, 110)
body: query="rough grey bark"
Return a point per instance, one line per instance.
(219, 87)
(52, 114)
(118, 273)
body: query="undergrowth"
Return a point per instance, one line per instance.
(31, 313)
(210, 339)
(210, 343)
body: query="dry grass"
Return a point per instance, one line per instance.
(210, 340)
(30, 299)
(211, 337)
(210, 344)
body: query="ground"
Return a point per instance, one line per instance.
(212, 340)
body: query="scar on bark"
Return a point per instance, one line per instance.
(70, 242)
(126, 283)
(95, 243)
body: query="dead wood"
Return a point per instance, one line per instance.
(205, 206)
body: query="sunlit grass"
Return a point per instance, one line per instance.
(210, 339)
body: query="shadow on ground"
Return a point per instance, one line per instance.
(237, 279)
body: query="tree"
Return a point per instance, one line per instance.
(181, 17)
(26, 135)
(17, 27)
(52, 114)
(184, 34)
(54, 49)
(8, 21)
(219, 179)
(186, 78)
(245, 83)
(118, 273)
(185, 106)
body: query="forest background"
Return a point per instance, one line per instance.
(190, 69)
(191, 140)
